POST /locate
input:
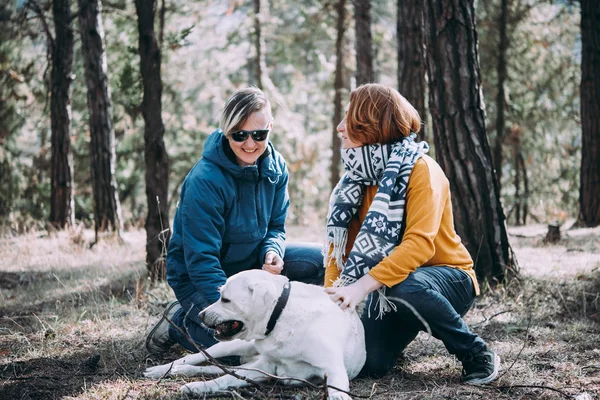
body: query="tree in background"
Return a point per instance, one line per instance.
(107, 210)
(61, 197)
(589, 191)
(462, 149)
(11, 117)
(500, 95)
(364, 42)
(259, 44)
(411, 55)
(338, 112)
(156, 157)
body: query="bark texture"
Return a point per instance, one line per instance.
(364, 42)
(411, 55)
(107, 210)
(157, 160)
(589, 192)
(336, 143)
(500, 96)
(462, 148)
(61, 193)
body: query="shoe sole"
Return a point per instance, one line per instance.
(155, 327)
(487, 379)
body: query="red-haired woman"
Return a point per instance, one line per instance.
(391, 237)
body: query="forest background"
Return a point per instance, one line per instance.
(74, 307)
(208, 51)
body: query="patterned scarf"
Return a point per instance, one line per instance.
(389, 167)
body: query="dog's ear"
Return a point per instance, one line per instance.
(264, 292)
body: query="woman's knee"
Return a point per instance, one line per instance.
(304, 262)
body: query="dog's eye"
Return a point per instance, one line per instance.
(224, 300)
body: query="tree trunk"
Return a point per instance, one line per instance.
(157, 160)
(500, 96)
(517, 182)
(525, 187)
(462, 148)
(259, 44)
(107, 210)
(364, 46)
(411, 55)
(589, 198)
(61, 195)
(336, 143)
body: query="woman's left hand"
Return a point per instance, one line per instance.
(351, 295)
(346, 296)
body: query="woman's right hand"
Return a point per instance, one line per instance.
(273, 263)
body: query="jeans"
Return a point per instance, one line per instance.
(303, 262)
(441, 295)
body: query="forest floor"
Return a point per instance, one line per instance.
(72, 323)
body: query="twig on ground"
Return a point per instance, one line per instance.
(112, 342)
(565, 303)
(488, 319)
(165, 374)
(509, 387)
(522, 347)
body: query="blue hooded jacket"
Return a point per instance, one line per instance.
(227, 219)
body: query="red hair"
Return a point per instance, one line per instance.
(379, 114)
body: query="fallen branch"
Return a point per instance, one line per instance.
(568, 396)
(522, 348)
(488, 319)
(211, 360)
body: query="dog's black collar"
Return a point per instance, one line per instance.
(281, 302)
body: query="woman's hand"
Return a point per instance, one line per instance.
(351, 295)
(273, 263)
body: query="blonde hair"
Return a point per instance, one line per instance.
(240, 105)
(380, 114)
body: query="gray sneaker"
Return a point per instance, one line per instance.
(480, 368)
(157, 337)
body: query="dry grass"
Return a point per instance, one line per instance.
(72, 321)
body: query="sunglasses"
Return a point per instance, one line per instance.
(258, 135)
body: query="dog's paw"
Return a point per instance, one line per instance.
(184, 370)
(157, 372)
(195, 388)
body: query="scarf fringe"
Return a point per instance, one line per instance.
(343, 281)
(338, 237)
(383, 304)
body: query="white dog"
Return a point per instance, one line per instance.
(288, 329)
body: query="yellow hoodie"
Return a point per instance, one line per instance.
(429, 238)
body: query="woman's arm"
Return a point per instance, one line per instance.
(203, 227)
(275, 239)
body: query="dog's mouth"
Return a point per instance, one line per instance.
(227, 329)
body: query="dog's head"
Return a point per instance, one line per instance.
(247, 300)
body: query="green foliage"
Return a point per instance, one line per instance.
(23, 178)
(542, 101)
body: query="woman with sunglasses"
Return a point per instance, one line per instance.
(391, 237)
(230, 218)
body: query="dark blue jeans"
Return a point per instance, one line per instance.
(441, 295)
(302, 262)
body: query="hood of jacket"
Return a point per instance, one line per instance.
(215, 152)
